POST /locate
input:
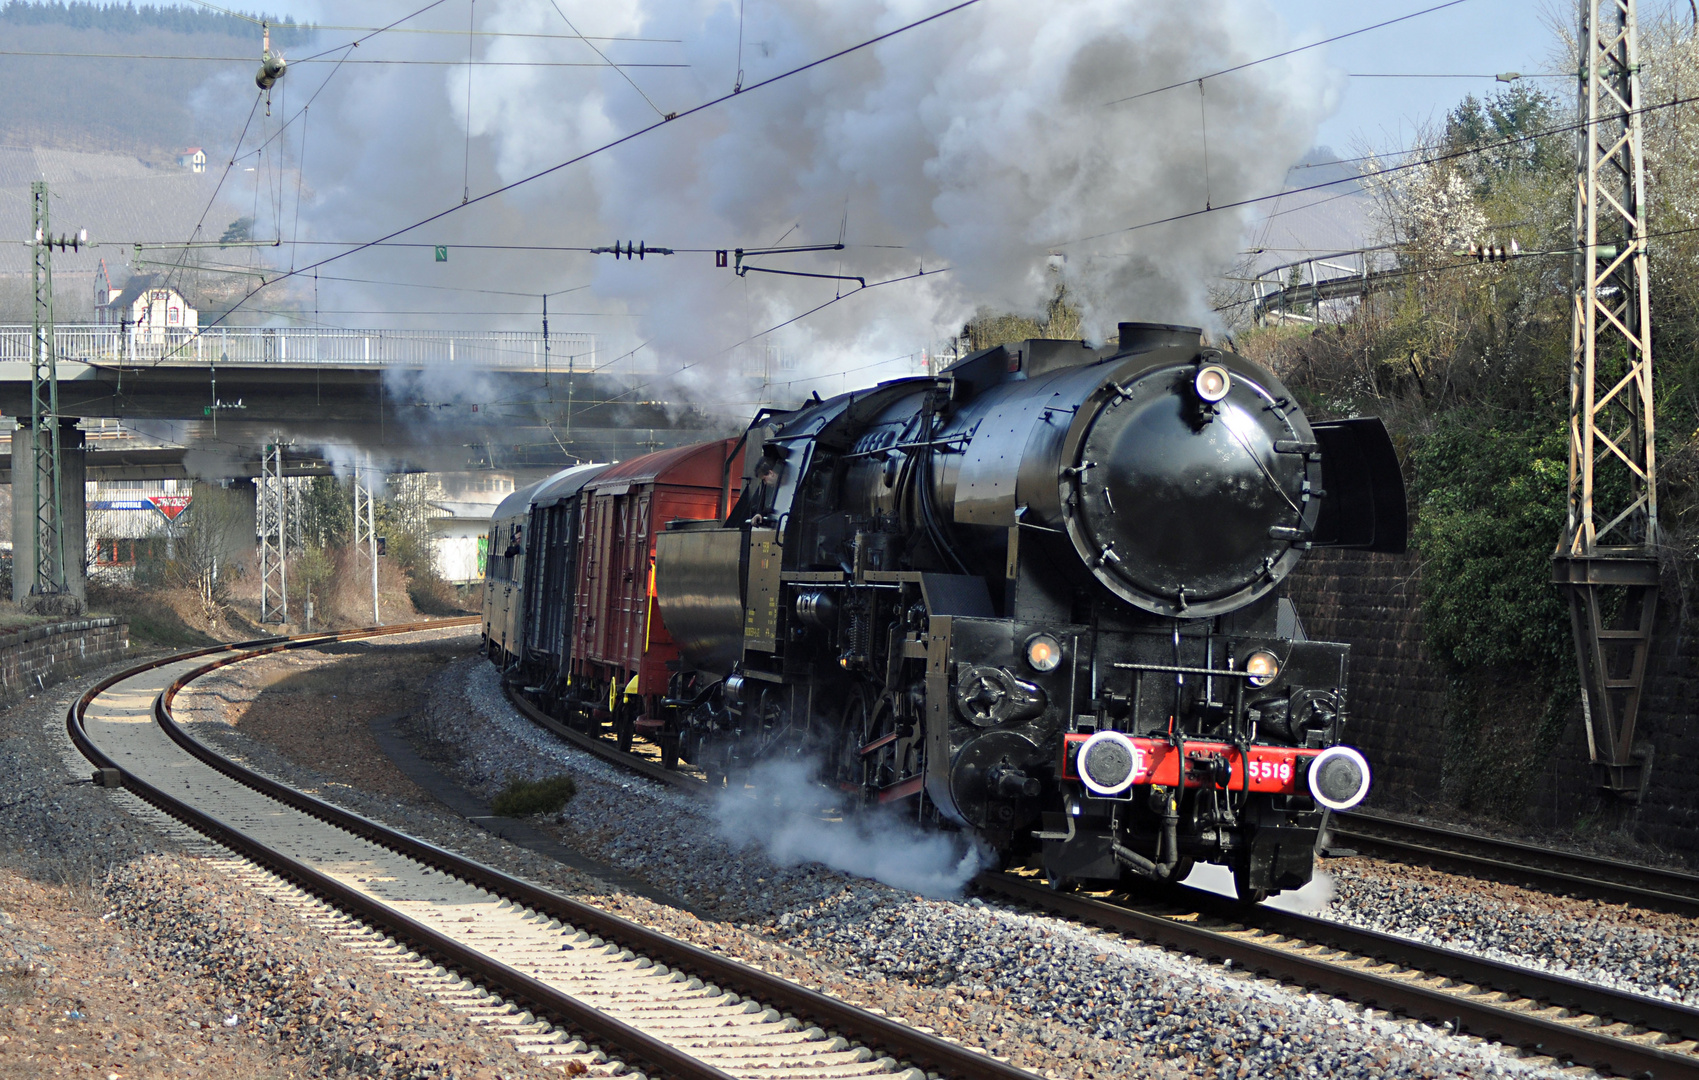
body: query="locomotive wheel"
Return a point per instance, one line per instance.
(854, 732)
(669, 750)
(1242, 885)
(625, 727)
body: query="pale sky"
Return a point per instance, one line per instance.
(1477, 37)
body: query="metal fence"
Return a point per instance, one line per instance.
(515, 349)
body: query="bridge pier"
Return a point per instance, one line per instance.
(73, 470)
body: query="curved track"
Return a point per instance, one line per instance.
(1606, 1029)
(1548, 869)
(677, 1010)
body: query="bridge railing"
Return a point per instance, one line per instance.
(311, 346)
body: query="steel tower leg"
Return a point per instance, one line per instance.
(273, 514)
(48, 590)
(1607, 561)
(365, 532)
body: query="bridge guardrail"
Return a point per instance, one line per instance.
(314, 346)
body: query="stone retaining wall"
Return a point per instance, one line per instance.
(38, 656)
(1399, 705)
(1397, 695)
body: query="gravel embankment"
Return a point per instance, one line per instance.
(124, 957)
(1627, 948)
(1047, 994)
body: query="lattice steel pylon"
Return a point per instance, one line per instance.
(365, 531)
(272, 514)
(45, 495)
(1607, 561)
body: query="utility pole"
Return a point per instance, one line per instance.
(1607, 561)
(273, 514)
(50, 589)
(365, 531)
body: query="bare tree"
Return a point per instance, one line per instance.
(201, 541)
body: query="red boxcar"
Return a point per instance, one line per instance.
(617, 631)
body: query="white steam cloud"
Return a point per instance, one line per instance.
(982, 142)
(789, 818)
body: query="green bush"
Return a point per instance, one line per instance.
(522, 798)
(1490, 509)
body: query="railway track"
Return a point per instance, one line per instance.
(562, 979)
(1547, 869)
(1568, 1019)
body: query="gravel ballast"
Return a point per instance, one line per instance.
(125, 955)
(1615, 945)
(1049, 995)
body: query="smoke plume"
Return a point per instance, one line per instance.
(790, 818)
(982, 143)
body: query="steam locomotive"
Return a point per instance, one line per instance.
(1036, 597)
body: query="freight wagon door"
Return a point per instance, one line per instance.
(558, 632)
(592, 547)
(537, 542)
(634, 581)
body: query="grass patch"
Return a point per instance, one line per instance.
(522, 798)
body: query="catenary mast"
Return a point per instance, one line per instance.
(1606, 562)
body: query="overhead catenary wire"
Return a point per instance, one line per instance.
(471, 22)
(323, 59)
(236, 150)
(1464, 263)
(604, 57)
(1284, 53)
(312, 27)
(1356, 177)
(620, 141)
(200, 223)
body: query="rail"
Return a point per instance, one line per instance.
(1476, 1014)
(1547, 869)
(947, 1058)
(1461, 1008)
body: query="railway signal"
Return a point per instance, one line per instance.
(1606, 562)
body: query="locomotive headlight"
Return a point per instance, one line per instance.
(1263, 667)
(1212, 383)
(1043, 652)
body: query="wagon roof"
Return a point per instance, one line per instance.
(515, 504)
(693, 466)
(565, 484)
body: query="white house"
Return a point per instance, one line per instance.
(460, 521)
(155, 309)
(193, 159)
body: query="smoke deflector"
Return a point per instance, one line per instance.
(1365, 506)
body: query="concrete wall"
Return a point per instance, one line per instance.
(42, 655)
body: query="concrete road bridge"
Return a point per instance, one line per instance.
(406, 399)
(440, 399)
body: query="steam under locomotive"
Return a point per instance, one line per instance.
(1036, 597)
